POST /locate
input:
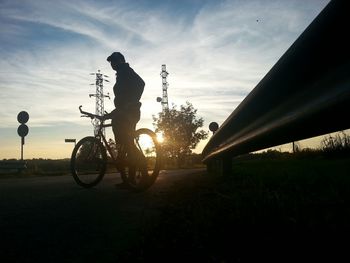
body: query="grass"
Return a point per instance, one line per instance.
(274, 207)
(280, 210)
(40, 167)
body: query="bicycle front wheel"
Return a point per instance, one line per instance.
(88, 162)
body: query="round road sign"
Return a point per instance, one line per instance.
(213, 126)
(23, 117)
(22, 130)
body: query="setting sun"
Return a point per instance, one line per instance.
(160, 137)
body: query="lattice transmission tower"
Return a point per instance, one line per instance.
(164, 100)
(99, 98)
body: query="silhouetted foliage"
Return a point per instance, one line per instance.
(336, 145)
(47, 167)
(180, 131)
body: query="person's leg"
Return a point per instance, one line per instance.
(124, 125)
(136, 157)
(119, 136)
(134, 154)
(117, 127)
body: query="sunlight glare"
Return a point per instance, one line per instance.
(145, 141)
(146, 145)
(160, 137)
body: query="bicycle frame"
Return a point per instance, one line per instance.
(100, 136)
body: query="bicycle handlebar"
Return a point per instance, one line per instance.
(90, 115)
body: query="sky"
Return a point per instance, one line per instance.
(216, 52)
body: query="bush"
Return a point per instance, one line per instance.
(48, 167)
(337, 145)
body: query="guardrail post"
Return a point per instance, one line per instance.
(226, 165)
(220, 167)
(212, 167)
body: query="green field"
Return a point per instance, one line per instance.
(273, 209)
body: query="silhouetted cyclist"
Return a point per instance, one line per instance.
(127, 90)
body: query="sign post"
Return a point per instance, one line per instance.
(71, 140)
(22, 129)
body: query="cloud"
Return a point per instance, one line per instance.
(216, 52)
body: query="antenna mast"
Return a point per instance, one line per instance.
(99, 98)
(164, 101)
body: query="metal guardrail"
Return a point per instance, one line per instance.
(305, 94)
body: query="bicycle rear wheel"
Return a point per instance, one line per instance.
(88, 162)
(140, 175)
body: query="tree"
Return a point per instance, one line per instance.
(179, 129)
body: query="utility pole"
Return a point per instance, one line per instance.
(99, 98)
(164, 99)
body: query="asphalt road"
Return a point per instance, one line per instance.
(51, 219)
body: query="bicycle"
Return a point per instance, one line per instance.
(89, 160)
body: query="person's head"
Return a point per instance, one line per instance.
(115, 59)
